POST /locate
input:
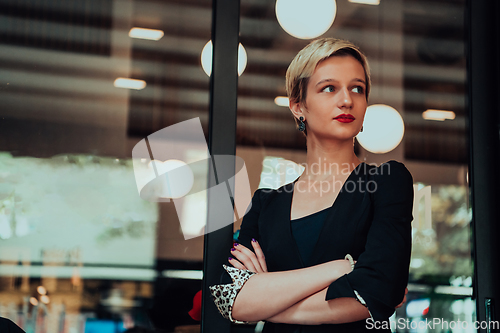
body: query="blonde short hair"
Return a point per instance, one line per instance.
(305, 62)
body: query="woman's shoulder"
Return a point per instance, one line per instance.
(390, 179)
(7, 325)
(390, 170)
(266, 195)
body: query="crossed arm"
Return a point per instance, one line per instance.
(292, 297)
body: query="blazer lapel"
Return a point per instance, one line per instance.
(339, 228)
(294, 255)
(279, 240)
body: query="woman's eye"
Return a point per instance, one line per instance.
(358, 90)
(328, 89)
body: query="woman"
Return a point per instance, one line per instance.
(289, 268)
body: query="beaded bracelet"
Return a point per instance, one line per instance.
(351, 260)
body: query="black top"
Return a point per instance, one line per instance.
(305, 231)
(370, 219)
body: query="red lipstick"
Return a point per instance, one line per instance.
(345, 118)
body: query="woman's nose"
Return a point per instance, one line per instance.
(345, 99)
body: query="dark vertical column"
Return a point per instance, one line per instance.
(484, 91)
(222, 141)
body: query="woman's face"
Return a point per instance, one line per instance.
(336, 101)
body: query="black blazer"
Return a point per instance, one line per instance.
(7, 326)
(370, 219)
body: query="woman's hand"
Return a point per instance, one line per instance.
(246, 259)
(404, 299)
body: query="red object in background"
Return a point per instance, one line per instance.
(195, 312)
(426, 311)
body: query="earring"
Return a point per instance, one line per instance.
(302, 126)
(361, 129)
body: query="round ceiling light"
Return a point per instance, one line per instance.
(206, 58)
(383, 129)
(306, 19)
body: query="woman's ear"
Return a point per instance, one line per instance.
(296, 109)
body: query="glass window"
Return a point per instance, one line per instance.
(82, 83)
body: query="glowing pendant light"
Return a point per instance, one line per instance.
(383, 129)
(306, 19)
(206, 58)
